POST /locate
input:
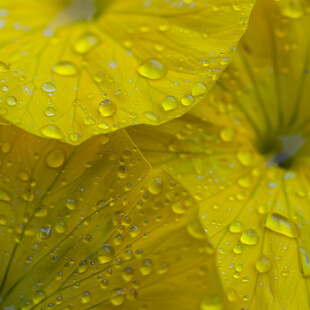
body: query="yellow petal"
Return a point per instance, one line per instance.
(244, 155)
(73, 69)
(92, 227)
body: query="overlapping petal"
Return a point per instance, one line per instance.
(244, 156)
(74, 69)
(76, 236)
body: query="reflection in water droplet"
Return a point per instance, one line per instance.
(263, 264)
(155, 186)
(106, 108)
(152, 69)
(48, 87)
(11, 101)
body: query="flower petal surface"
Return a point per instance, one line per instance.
(73, 69)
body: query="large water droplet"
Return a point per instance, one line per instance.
(282, 225)
(65, 68)
(152, 69)
(249, 237)
(106, 108)
(51, 131)
(263, 264)
(169, 103)
(55, 158)
(105, 254)
(155, 186)
(85, 43)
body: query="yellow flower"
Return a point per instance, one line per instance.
(244, 155)
(94, 227)
(73, 69)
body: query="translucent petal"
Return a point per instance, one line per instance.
(88, 67)
(244, 155)
(93, 226)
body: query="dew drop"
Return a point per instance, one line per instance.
(305, 262)
(263, 264)
(51, 131)
(227, 134)
(106, 108)
(178, 208)
(71, 204)
(65, 68)
(146, 267)
(55, 158)
(44, 233)
(11, 101)
(249, 237)
(50, 111)
(118, 297)
(85, 298)
(199, 89)
(105, 254)
(169, 103)
(155, 186)
(187, 100)
(122, 172)
(281, 225)
(60, 227)
(152, 69)
(85, 43)
(235, 227)
(151, 116)
(127, 274)
(48, 87)
(195, 230)
(245, 158)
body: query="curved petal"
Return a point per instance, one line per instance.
(74, 69)
(76, 235)
(244, 155)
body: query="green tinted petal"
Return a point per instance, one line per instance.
(93, 226)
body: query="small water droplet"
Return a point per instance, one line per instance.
(146, 267)
(50, 111)
(105, 254)
(227, 134)
(199, 89)
(187, 100)
(48, 87)
(71, 204)
(235, 227)
(11, 101)
(85, 298)
(118, 297)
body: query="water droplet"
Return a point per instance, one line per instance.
(281, 225)
(187, 100)
(44, 233)
(38, 297)
(65, 68)
(305, 262)
(238, 249)
(4, 195)
(227, 134)
(11, 101)
(71, 204)
(151, 116)
(155, 186)
(127, 274)
(249, 237)
(106, 108)
(235, 227)
(55, 158)
(195, 230)
(85, 298)
(50, 111)
(118, 297)
(263, 264)
(152, 69)
(178, 208)
(169, 103)
(85, 43)
(48, 87)
(105, 254)
(122, 172)
(3, 219)
(199, 89)
(51, 131)
(146, 267)
(60, 227)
